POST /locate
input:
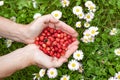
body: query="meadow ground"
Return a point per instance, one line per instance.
(99, 62)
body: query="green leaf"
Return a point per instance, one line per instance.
(78, 2)
(111, 71)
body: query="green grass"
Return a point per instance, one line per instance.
(96, 66)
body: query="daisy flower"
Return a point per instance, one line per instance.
(8, 42)
(113, 31)
(92, 8)
(65, 77)
(52, 73)
(0, 37)
(87, 33)
(117, 51)
(42, 72)
(89, 16)
(77, 10)
(117, 75)
(73, 65)
(112, 78)
(13, 18)
(85, 39)
(88, 3)
(34, 4)
(91, 39)
(81, 15)
(65, 3)
(1, 3)
(78, 24)
(36, 15)
(36, 76)
(86, 24)
(93, 31)
(57, 14)
(78, 55)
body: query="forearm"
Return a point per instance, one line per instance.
(13, 61)
(11, 30)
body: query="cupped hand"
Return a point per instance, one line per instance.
(32, 30)
(37, 57)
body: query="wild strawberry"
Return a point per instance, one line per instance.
(58, 55)
(54, 42)
(41, 38)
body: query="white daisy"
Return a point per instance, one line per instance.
(112, 78)
(117, 51)
(77, 10)
(13, 18)
(34, 4)
(86, 24)
(36, 76)
(113, 31)
(73, 65)
(89, 16)
(117, 75)
(57, 14)
(42, 72)
(36, 15)
(93, 30)
(65, 3)
(81, 15)
(87, 33)
(8, 42)
(0, 37)
(52, 73)
(65, 77)
(78, 24)
(88, 3)
(85, 39)
(78, 55)
(91, 39)
(92, 8)
(1, 3)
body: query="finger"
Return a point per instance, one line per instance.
(74, 43)
(59, 62)
(66, 28)
(70, 51)
(49, 18)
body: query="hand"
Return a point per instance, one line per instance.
(32, 30)
(37, 57)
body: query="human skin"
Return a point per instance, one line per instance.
(31, 54)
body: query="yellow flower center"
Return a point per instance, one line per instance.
(118, 76)
(73, 64)
(64, 2)
(91, 7)
(87, 24)
(80, 15)
(93, 31)
(64, 78)
(43, 72)
(90, 39)
(88, 16)
(118, 52)
(87, 34)
(51, 72)
(113, 31)
(77, 10)
(56, 15)
(79, 25)
(78, 55)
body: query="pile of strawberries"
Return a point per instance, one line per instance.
(54, 42)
